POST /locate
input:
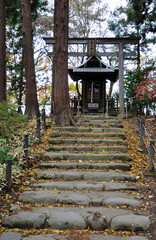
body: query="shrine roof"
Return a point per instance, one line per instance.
(93, 65)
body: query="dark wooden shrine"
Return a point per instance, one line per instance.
(93, 75)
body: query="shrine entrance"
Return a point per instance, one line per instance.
(93, 75)
(93, 96)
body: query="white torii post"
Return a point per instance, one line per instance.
(121, 80)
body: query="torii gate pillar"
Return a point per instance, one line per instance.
(121, 80)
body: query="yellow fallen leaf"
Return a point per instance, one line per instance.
(7, 197)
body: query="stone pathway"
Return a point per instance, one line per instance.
(84, 185)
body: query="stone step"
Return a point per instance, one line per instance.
(85, 236)
(86, 165)
(79, 194)
(87, 141)
(82, 190)
(87, 148)
(63, 218)
(94, 116)
(86, 185)
(92, 198)
(99, 121)
(88, 156)
(89, 129)
(101, 125)
(113, 123)
(85, 175)
(87, 135)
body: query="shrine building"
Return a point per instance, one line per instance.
(93, 74)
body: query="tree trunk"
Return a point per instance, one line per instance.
(77, 89)
(111, 88)
(138, 48)
(3, 96)
(21, 87)
(62, 112)
(52, 90)
(32, 109)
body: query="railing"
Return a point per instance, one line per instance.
(76, 105)
(110, 105)
(151, 149)
(25, 146)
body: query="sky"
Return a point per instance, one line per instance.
(115, 3)
(112, 3)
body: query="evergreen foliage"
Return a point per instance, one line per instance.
(136, 19)
(10, 120)
(4, 154)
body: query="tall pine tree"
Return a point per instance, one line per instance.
(32, 108)
(62, 112)
(3, 51)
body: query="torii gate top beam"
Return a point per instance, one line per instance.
(96, 41)
(133, 40)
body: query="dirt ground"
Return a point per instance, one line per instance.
(147, 190)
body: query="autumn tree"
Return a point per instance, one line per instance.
(2, 51)
(86, 18)
(32, 108)
(145, 90)
(62, 112)
(140, 85)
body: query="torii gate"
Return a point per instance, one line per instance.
(91, 51)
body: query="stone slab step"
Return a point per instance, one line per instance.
(88, 129)
(11, 236)
(88, 156)
(86, 165)
(56, 141)
(100, 124)
(89, 135)
(18, 236)
(86, 185)
(98, 120)
(63, 218)
(93, 115)
(87, 148)
(86, 175)
(93, 198)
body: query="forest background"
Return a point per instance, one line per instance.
(87, 18)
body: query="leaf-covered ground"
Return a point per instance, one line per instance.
(146, 188)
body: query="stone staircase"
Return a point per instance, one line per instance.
(85, 184)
